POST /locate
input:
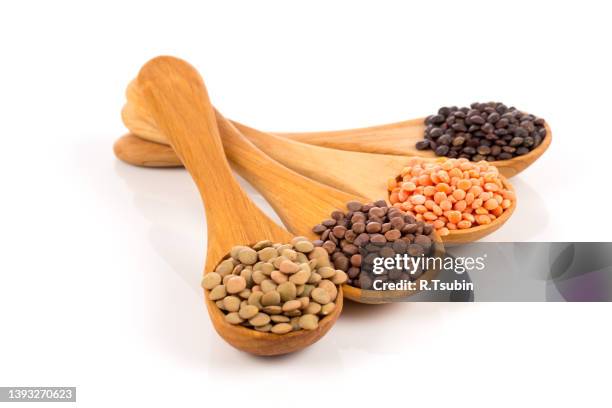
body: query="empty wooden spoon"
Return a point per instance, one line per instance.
(362, 174)
(175, 97)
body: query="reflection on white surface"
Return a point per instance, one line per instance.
(529, 219)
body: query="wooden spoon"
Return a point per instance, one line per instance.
(175, 97)
(362, 174)
(394, 139)
(140, 152)
(400, 138)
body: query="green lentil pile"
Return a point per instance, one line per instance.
(275, 288)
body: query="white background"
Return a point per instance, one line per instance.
(100, 262)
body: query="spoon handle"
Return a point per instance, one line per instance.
(134, 150)
(176, 99)
(282, 187)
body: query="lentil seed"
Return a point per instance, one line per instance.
(264, 328)
(248, 312)
(309, 322)
(280, 319)
(260, 319)
(268, 285)
(278, 277)
(217, 293)
(321, 296)
(235, 284)
(255, 299)
(313, 308)
(247, 256)
(281, 328)
(233, 318)
(327, 308)
(271, 298)
(273, 309)
(329, 287)
(300, 277)
(304, 246)
(291, 305)
(210, 280)
(231, 303)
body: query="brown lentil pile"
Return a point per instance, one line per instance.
(275, 288)
(366, 231)
(484, 131)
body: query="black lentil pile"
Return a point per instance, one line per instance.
(484, 131)
(366, 231)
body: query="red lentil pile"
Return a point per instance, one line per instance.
(451, 194)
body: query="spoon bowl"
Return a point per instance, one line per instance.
(270, 344)
(174, 98)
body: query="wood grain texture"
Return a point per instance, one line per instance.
(131, 149)
(357, 173)
(173, 95)
(364, 174)
(393, 139)
(400, 139)
(299, 201)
